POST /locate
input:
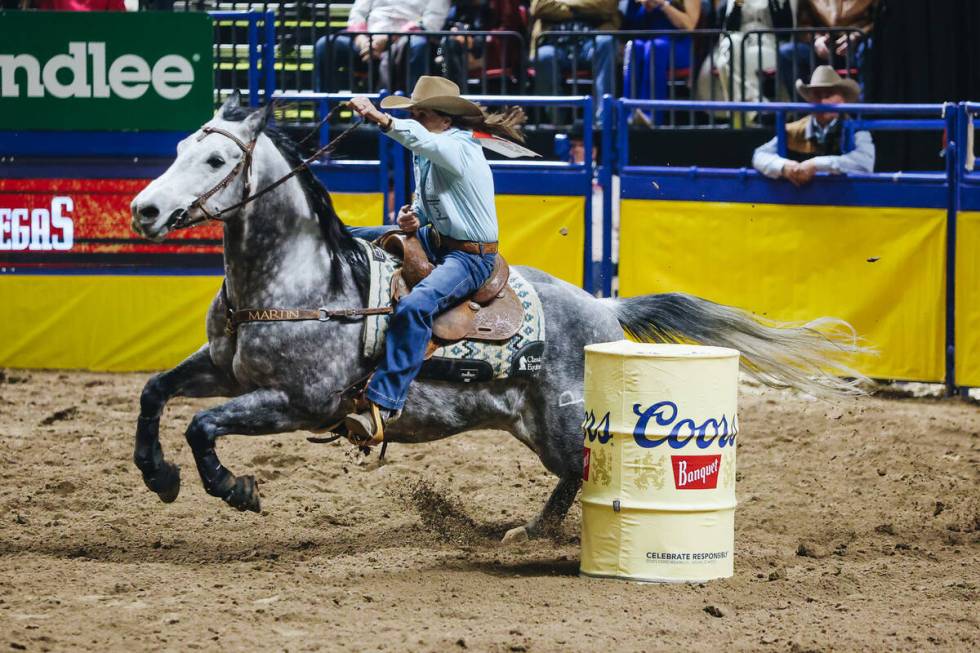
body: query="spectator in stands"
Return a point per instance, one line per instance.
(658, 53)
(843, 48)
(738, 17)
(403, 54)
(554, 57)
(815, 143)
(461, 57)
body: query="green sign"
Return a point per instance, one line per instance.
(99, 70)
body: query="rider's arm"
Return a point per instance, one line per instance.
(441, 149)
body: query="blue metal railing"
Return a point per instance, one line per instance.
(261, 27)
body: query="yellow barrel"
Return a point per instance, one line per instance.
(658, 498)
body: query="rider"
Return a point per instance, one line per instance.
(455, 219)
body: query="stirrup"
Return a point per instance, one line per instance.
(352, 421)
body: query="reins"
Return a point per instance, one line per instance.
(245, 165)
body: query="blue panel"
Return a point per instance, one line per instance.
(95, 143)
(541, 181)
(60, 168)
(348, 178)
(970, 192)
(747, 186)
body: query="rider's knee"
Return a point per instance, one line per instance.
(415, 305)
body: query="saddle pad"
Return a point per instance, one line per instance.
(466, 360)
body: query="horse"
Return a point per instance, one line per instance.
(289, 248)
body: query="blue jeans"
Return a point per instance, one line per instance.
(647, 68)
(346, 61)
(457, 275)
(551, 61)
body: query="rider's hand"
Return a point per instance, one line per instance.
(407, 220)
(368, 111)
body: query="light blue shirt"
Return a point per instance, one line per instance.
(861, 159)
(453, 183)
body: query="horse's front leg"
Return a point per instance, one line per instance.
(261, 412)
(196, 376)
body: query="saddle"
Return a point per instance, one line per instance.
(493, 313)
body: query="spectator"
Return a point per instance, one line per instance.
(555, 57)
(644, 56)
(843, 49)
(461, 57)
(411, 53)
(458, 55)
(815, 143)
(738, 17)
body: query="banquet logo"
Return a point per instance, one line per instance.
(38, 229)
(696, 472)
(85, 73)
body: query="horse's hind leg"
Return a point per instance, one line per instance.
(196, 376)
(261, 412)
(553, 513)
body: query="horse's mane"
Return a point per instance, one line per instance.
(340, 244)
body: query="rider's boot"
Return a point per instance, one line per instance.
(367, 427)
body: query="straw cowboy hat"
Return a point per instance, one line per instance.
(436, 93)
(827, 77)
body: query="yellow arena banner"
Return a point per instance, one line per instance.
(968, 298)
(880, 269)
(359, 209)
(103, 322)
(146, 322)
(545, 232)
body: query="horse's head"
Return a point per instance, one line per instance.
(213, 171)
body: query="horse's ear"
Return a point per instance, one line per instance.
(255, 123)
(233, 102)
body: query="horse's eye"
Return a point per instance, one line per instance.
(216, 161)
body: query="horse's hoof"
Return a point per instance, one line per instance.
(245, 495)
(518, 534)
(165, 482)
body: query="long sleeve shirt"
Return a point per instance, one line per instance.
(453, 182)
(397, 15)
(861, 159)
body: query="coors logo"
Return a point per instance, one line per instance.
(696, 472)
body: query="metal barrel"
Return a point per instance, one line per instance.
(658, 498)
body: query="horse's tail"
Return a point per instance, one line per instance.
(809, 357)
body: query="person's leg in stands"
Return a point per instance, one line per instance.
(327, 81)
(790, 53)
(420, 54)
(600, 52)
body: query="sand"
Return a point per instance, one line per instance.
(858, 528)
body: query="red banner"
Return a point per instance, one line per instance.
(57, 222)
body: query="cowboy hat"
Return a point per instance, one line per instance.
(436, 93)
(827, 77)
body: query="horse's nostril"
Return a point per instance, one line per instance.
(149, 211)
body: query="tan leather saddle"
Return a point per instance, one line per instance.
(492, 313)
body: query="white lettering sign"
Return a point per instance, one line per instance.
(129, 76)
(39, 229)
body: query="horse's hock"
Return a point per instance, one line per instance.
(658, 500)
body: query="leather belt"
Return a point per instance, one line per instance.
(468, 246)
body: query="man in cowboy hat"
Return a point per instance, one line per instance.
(815, 143)
(455, 218)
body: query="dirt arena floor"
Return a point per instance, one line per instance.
(858, 529)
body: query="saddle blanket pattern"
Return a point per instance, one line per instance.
(466, 360)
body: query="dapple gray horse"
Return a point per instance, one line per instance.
(289, 249)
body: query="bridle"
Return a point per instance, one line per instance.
(244, 166)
